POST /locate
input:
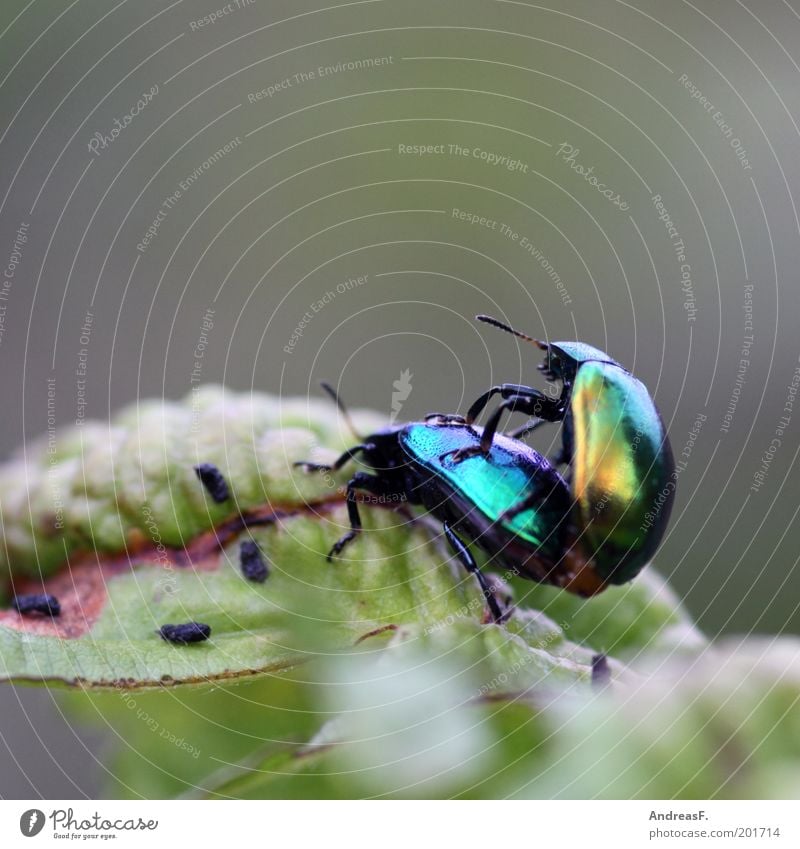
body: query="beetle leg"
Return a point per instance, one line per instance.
(367, 483)
(477, 407)
(564, 456)
(461, 454)
(529, 404)
(468, 562)
(528, 428)
(516, 398)
(355, 525)
(532, 403)
(445, 419)
(338, 463)
(505, 390)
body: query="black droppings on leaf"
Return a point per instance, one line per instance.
(601, 671)
(37, 603)
(212, 479)
(252, 562)
(185, 633)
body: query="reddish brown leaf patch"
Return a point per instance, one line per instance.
(82, 594)
(382, 630)
(81, 586)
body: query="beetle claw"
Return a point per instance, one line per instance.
(461, 454)
(445, 418)
(313, 467)
(340, 544)
(506, 612)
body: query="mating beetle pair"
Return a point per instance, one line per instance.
(582, 532)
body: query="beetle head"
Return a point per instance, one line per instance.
(563, 359)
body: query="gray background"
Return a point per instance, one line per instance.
(318, 191)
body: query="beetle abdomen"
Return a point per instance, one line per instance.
(622, 468)
(498, 482)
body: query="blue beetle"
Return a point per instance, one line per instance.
(416, 463)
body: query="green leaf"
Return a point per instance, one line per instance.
(114, 522)
(374, 676)
(623, 621)
(444, 694)
(725, 725)
(122, 486)
(107, 634)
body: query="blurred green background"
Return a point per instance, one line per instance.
(277, 157)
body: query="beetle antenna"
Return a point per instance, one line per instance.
(342, 409)
(487, 319)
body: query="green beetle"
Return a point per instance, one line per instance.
(622, 473)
